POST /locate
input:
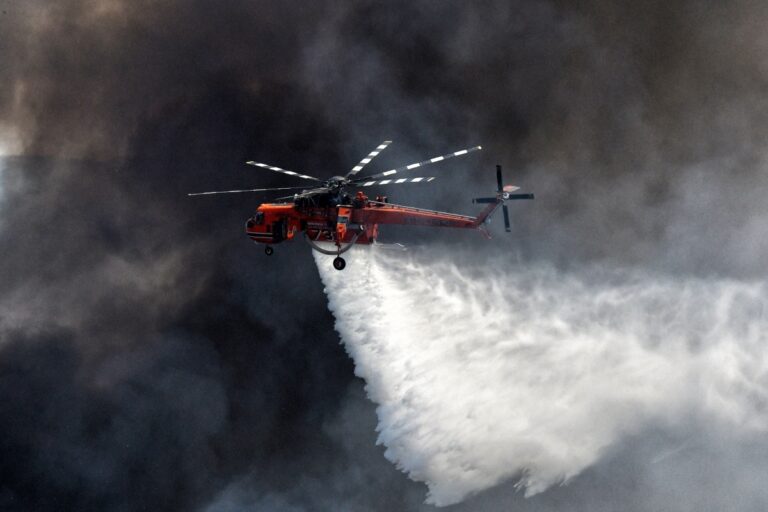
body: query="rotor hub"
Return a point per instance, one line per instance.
(337, 183)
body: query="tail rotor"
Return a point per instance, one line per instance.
(507, 227)
(500, 191)
(503, 194)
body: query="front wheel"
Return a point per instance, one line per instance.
(339, 263)
(268, 250)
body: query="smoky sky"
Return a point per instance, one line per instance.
(151, 357)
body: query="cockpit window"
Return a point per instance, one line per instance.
(259, 218)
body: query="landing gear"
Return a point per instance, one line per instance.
(268, 250)
(339, 263)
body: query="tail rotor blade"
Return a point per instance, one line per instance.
(512, 197)
(506, 219)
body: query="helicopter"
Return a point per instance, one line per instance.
(333, 221)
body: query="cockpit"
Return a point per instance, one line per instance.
(256, 220)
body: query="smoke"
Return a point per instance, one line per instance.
(143, 361)
(485, 374)
(151, 357)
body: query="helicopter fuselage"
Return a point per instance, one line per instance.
(357, 221)
(327, 214)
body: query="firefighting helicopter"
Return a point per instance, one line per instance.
(328, 215)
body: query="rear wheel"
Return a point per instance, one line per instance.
(339, 263)
(268, 250)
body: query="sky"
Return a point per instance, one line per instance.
(151, 357)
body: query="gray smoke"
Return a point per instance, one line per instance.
(150, 357)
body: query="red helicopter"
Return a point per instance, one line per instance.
(327, 214)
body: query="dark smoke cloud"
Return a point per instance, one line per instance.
(151, 358)
(640, 126)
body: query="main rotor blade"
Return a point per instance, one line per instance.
(370, 183)
(498, 178)
(506, 218)
(420, 164)
(239, 191)
(368, 158)
(284, 171)
(306, 193)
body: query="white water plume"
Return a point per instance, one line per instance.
(528, 373)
